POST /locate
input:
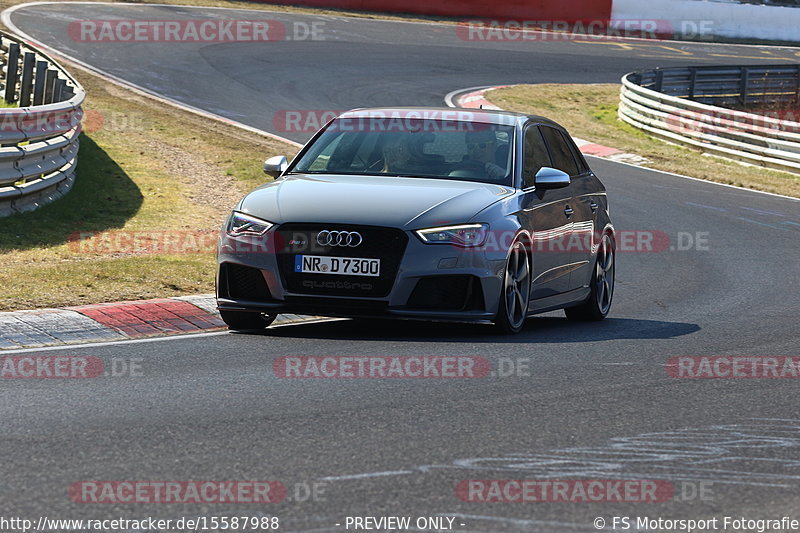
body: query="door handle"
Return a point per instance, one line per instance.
(568, 211)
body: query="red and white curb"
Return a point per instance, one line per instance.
(114, 322)
(477, 100)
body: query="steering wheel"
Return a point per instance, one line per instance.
(472, 164)
(469, 168)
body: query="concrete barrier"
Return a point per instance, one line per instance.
(678, 19)
(695, 19)
(545, 10)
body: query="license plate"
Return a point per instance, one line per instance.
(346, 266)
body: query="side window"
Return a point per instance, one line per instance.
(559, 150)
(583, 168)
(535, 155)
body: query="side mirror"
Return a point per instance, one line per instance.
(551, 178)
(275, 166)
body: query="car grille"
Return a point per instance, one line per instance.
(386, 244)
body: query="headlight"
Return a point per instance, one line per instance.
(241, 224)
(462, 235)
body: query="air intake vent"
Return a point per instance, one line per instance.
(447, 293)
(243, 283)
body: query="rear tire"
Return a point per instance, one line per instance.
(597, 306)
(516, 294)
(243, 320)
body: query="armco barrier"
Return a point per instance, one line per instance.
(682, 105)
(38, 139)
(529, 10)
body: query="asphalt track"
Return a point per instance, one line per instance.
(595, 402)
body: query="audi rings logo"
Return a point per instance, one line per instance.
(339, 238)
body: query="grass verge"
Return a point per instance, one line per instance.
(146, 171)
(590, 112)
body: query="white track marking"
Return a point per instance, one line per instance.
(112, 343)
(175, 337)
(369, 475)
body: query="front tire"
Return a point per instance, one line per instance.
(243, 320)
(597, 306)
(516, 293)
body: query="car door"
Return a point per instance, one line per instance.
(566, 157)
(546, 214)
(587, 201)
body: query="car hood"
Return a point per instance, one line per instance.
(409, 203)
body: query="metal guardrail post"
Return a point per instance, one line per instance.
(49, 82)
(797, 85)
(11, 73)
(58, 90)
(744, 80)
(26, 86)
(659, 80)
(38, 85)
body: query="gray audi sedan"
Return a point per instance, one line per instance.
(425, 213)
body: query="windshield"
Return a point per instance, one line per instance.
(415, 148)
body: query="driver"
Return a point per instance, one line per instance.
(396, 156)
(481, 148)
(399, 157)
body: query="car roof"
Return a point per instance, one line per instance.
(460, 114)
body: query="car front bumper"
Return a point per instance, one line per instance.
(430, 281)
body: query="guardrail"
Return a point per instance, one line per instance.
(682, 105)
(39, 137)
